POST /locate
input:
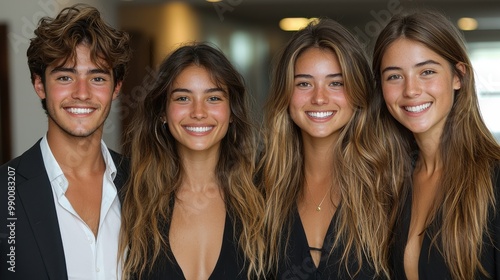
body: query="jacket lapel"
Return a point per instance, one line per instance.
(122, 173)
(35, 194)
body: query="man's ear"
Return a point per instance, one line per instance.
(117, 89)
(39, 87)
(456, 80)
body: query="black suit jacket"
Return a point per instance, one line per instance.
(30, 240)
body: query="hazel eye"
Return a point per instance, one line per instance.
(214, 98)
(181, 98)
(428, 72)
(303, 84)
(336, 84)
(393, 77)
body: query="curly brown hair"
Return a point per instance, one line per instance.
(56, 40)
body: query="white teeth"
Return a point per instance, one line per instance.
(320, 115)
(199, 128)
(417, 109)
(78, 111)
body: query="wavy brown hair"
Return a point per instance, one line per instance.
(156, 169)
(362, 168)
(56, 40)
(466, 190)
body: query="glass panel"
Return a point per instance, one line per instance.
(485, 58)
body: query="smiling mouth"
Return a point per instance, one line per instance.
(418, 108)
(320, 115)
(199, 128)
(80, 111)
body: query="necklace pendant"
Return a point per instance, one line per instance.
(318, 208)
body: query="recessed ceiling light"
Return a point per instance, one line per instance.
(467, 23)
(294, 24)
(213, 1)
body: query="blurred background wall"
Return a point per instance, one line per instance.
(247, 31)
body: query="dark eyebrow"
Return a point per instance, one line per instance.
(310, 76)
(430, 61)
(389, 68)
(210, 90)
(63, 69)
(180, 90)
(73, 70)
(420, 64)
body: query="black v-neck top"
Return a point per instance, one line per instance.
(431, 264)
(298, 263)
(230, 264)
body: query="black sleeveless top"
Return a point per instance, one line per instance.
(431, 263)
(298, 263)
(230, 264)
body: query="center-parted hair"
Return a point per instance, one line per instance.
(156, 169)
(362, 159)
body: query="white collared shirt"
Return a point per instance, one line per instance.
(87, 257)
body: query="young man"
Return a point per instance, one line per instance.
(59, 205)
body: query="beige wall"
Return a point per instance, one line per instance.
(169, 25)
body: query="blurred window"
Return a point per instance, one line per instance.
(485, 58)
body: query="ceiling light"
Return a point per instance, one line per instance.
(213, 1)
(467, 23)
(294, 24)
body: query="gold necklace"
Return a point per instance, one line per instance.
(318, 208)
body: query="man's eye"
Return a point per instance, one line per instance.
(64, 78)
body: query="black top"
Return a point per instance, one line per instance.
(298, 263)
(230, 264)
(431, 264)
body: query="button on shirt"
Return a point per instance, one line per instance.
(87, 257)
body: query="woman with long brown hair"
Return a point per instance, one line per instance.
(449, 221)
(191, 210)
(325, 168)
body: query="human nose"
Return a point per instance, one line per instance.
(319, 96)
(198, 110)
(412, 88)
(82, 90)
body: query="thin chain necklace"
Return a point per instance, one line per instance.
(318, 208)
(319, 205)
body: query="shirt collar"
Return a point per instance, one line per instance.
(54, 170)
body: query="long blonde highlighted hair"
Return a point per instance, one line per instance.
(363, 164)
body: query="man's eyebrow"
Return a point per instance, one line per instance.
(63, 69)
(73, 70)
